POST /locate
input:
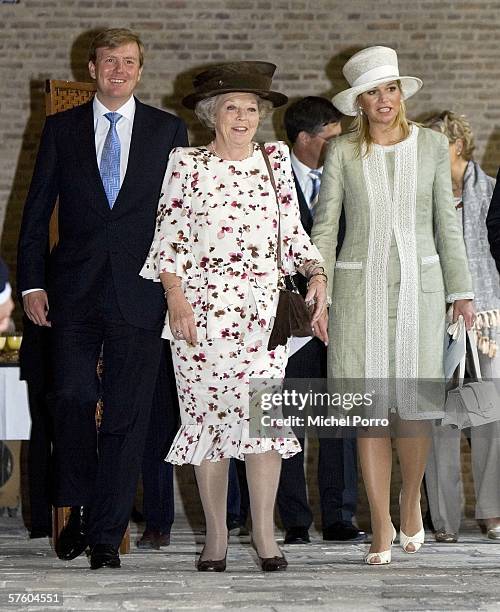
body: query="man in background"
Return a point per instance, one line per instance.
(311, 123)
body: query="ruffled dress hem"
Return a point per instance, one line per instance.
(195, 443)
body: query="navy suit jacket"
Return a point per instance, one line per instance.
(310, 360)
(95, 240)
(307, 223)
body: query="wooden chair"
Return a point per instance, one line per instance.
(63, 95)
(60, 96)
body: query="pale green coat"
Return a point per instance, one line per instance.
(402, 258)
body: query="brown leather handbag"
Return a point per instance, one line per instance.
(293, 317)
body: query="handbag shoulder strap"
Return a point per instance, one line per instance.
(273, 183)
(471, 349)
(475, 357)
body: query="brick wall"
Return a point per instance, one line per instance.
(452, 45)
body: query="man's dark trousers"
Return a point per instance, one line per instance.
(158, 474)
(105, 480)
(337, 460)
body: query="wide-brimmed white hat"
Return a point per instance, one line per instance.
(368, 69)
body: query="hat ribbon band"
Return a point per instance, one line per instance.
(380, 72)
(237, 82)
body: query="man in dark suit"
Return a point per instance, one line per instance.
(310, 124)
(105, 160)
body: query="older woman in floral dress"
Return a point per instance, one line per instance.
(215, 253)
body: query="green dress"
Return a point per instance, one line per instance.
(402, 258)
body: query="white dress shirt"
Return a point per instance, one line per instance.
(302, 174)
(101, 128)
(123, 128)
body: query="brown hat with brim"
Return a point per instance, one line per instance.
(247, 77)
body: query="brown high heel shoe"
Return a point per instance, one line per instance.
(273, 564)
(211, 565)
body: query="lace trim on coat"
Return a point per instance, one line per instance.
(453, 297)
(379, 244)
(387, 215)
(405, 204)
(349, 265)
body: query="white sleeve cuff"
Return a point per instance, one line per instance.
(30, 291)
(5, 294)
(453, 297)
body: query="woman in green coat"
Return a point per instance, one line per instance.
(402, 256)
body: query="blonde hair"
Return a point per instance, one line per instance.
(454, 127)
(206, 110)
(112, 38)
(360, 128)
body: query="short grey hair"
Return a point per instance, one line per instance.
(205, 110)
(454, 126)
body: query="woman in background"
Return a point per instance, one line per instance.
(472, 191)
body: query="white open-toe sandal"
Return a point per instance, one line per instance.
(384, 556)
(417, 540)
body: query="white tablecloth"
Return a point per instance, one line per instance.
(15, 421)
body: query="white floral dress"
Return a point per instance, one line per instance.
(216, 229)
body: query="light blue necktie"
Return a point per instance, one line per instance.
(315, 176)
(110, 160)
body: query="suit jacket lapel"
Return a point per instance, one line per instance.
(138, 154)
(139, 150)
(305, 213)
(85, 147)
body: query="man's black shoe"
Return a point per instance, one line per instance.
(342, 531)
(150, 539)
(235, 526)
(297, 535)
(104, 555)
(72, 540)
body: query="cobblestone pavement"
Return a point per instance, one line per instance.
(321, 576)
